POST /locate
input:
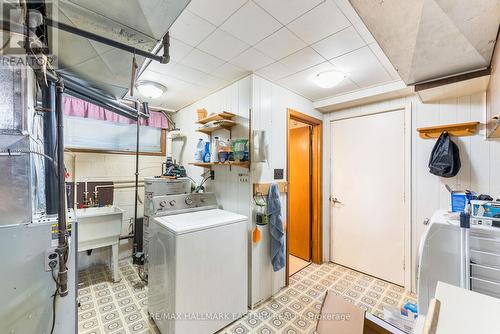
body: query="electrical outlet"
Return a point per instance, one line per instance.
(51, 259)
(243, 178)
(278, 174)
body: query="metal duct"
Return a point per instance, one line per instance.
(50, 145)
(137, 23)
(93, 96)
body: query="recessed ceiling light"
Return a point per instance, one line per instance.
(328, 79)
(150, 89)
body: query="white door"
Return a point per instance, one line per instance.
(367, 192)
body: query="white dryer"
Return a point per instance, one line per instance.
(441, 253)
(197, 265)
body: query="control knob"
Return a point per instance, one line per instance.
(189, 200)
(172, 202)
(163, 204)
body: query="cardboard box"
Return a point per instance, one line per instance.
(338, 316)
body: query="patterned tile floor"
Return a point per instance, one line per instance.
(107, 307)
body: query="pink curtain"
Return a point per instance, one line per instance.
(80, 108)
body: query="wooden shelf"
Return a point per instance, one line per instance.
(457, 130)
(494, 127)
(216, 117)
(243, 164)
(223, 125)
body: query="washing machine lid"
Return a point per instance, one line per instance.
(199, 220)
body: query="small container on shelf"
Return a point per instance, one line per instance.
(202, 113)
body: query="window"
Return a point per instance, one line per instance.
(97, 136)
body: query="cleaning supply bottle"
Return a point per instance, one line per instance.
(206, 153)
(200, 149)
(214, 150)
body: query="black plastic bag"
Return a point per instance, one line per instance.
(445, 157)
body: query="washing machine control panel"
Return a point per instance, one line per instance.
(175, 204)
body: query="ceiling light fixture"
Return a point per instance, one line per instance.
(150, 89)
(328, 79)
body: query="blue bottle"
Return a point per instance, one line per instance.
(206, 153)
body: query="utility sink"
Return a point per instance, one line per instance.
(100, 227)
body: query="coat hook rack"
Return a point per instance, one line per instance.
(456, 130)
(263, 188)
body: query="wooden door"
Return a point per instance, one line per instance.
(300, 193)
(368, 194)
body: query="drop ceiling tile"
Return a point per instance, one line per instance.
(212, 82)
(251, 59)
(202, 61)
(303, 83)
(174, 97)
(162, 68)
(190, 28)
(178, 49)
(222, 45)
(230, 72)
(320, 22)
(275, 71)
(340, 43)
(286, 11)
(251, 24)
(168, 81)
(348, 10)
(179, 71)
(377, 51)
(362, 67)
(280, 44)
(302, 59)
(215, 11)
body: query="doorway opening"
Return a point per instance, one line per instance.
(303, 229)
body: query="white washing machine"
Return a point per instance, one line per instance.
(197, 265)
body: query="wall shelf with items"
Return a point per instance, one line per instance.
(222, 116)
(456, 130)
(242, 164)
(222, 120)
(221, 125)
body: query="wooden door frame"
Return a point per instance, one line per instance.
(316, 185)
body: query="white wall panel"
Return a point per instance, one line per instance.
(269, 113)
(269, 104)
(480, 158)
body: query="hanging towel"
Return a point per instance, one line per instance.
(276, 227)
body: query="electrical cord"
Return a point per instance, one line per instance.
(54, 296)
(54, 310)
